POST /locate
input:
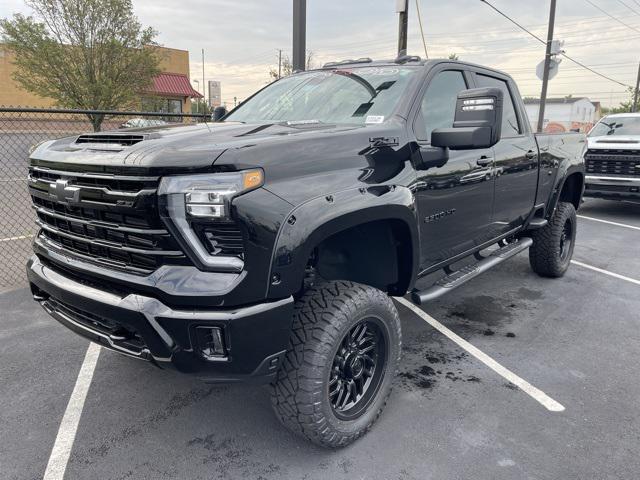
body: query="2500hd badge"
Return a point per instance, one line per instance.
(439, 215)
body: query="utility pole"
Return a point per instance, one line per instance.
(299, 34)
(204, 87)
(402, 8)
(547, 62)
(634, 107)
(195, 80)
(280, 64)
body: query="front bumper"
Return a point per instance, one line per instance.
(255, 336)
(612, 188)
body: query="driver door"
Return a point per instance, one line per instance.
(455, 201)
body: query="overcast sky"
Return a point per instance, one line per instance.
(241, 37)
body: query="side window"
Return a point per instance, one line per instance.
(439, 102)
(510, 125)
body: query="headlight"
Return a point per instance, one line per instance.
(209, 195)
(206, 198)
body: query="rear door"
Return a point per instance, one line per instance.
(516, 160)
(454, 201)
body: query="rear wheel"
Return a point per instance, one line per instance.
(552, 249)
(343, 354)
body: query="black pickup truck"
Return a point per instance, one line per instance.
(265, 246)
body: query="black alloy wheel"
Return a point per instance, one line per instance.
(566, 239)
(357, 370)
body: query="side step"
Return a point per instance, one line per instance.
(462, 276)
(537, 223)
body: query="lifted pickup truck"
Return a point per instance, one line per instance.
(266, 246)
(613, 158)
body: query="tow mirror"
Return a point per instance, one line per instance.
(477, 122)
(218, 113)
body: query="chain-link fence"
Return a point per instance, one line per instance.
(20, 129)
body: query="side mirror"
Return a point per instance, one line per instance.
(218, 113)
(477, 122)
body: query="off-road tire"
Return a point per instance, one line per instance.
(545, 255)
(322, 318)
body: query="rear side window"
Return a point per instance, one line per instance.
(510, 125)
(439, 102)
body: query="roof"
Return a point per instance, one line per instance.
(174, 84)
(534, 101)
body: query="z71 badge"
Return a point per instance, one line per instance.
(439, 215)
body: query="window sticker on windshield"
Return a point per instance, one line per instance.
(374, 119)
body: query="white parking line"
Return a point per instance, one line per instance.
(608, 222)
(69, 426)
(537, 394)
(11, 239)
(606, 272)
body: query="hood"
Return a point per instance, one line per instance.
(175, 147)
(617, 142)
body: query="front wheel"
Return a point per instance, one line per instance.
(343, 353)
(552, 249)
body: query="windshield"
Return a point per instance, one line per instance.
(351, 95)
(616, 126)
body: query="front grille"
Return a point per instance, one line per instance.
(108, 220)
(111, 139)
(613, 162)
(121, 335)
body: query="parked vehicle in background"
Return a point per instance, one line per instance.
(143, 123)
(613, 158)
(265, 247)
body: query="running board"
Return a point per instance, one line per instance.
(537, 223)
(462, 276)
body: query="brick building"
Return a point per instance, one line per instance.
(171, 90)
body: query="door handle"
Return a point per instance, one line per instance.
(531, 155)
(483, 161)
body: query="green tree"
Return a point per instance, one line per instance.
(453, 56)
(84, 54)
(623, 107)
(199, 105)
(286, 68)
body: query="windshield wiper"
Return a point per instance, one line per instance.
(286, 123)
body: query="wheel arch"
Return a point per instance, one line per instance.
(569, 190)
(369, 235)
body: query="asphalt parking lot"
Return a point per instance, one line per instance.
(576, 339)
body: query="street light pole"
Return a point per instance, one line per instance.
(204, 100)
(299, 34)
(634, 107)
(197, 82)
(402, 8)
(547, 63)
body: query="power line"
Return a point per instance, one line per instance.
(592, 70)
(563, 54)
(424, 42)
(514, 22)
(633, 10)
(611, 16)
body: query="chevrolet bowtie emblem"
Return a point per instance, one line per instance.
(63, 192)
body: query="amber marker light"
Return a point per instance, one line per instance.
(252, 179)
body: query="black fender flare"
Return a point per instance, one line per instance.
(319, 218)
(555, 196)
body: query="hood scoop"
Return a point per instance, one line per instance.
(618, 141)
(119, 140)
